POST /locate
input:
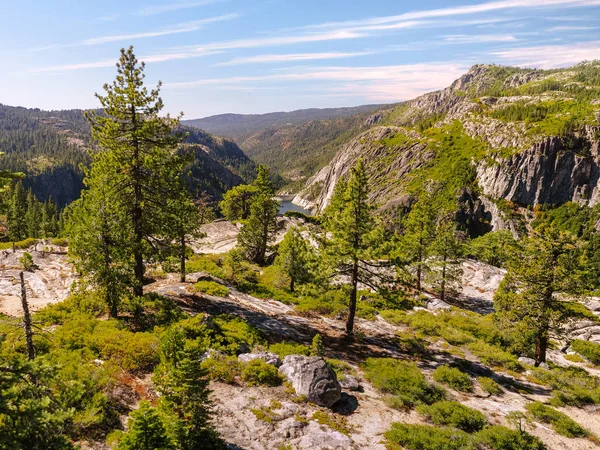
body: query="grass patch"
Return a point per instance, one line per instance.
(283, 349)
(211, 288)
(333, 421)
(455, 415)
(258, 372)
(453, 377)
(490, 386)
(587, 349)
(561, 423)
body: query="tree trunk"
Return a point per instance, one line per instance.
(352, 305)
(541, 344)
(292, 284)
(27, 320)
(443, 293)
(138, 288)
(182, 264)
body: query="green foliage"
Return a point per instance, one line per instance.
(258, 372)
(561, 423)
(494, 356)
(237, 201)
(213, 264)
(27, 263)
(455, 415)
(317, 347)
(146, 431)
(454, 378)
(570, 386)
(283, 349)
(295, 257)
(211, 288)
(501, 438)
(489, 386)
(224, 369)
(20, 245)
(402, 381)
(494, 248)
(426, 437)
(334, 421)
(258, 231)
(589, 350)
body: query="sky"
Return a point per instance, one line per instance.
(256, 56)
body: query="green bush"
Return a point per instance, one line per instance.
(494, 356)
(341, 368)
(454, 378)
(19, 245)
(283, 349)
(59, 242)
(212, 264)
(317, 347)
(501, 438)
(27, 263)
(454, 414)
(211, 288)
(402, 381)
(561, 423)
(426, 437)
(489, 386)
(152, 310)
(257, 372)
(589, 350)
(223, 369)
(572, 386)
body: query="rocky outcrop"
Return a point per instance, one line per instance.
(269, 358)
(312, 377)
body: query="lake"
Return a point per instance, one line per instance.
(287, 205)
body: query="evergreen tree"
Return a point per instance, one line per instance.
(145, 431)
(539, 293)
(6, 176)
(352, 228)
(34, 215)
(419, 233)
(259, 229)
(446, 249)
(294, 257)
(49, 219)
(17, 213)
(237, 201)
(136, 161)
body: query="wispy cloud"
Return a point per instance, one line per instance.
(185, 27)
(570, 28)
(111, 62)
(293, 57)
(479, 38)
(551, 56)
(170, 7)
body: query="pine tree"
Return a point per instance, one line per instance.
(237, 201)
(258, 231)
(136, 160)
(352, 227)
(294, 257)
(146, 431)
(446, 250)
(17, 213)
(49, 219)
(34, 215)
(539, 293)
(6, 177)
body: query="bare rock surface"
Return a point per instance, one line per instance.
(312, 377)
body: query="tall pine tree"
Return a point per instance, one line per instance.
(17, 213)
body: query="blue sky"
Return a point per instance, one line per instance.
(254, 56)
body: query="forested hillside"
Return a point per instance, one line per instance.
(52, 147)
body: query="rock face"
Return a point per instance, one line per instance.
(269, 358)
(312, 376)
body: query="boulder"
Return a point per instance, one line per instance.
(350, 383)
(312, 377)
(527, 361)
(316, 438)
(269, 358)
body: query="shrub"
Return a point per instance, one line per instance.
(427, 437)
(589, 350)
(59, 242)
(211, 288)
(403, 381)
(561, 423)
(283, 349)
(152, 310)
(454, 378)
(27, 263)
(317, 347)
(223, 369)
(570, 385)
(341, 368)
(212, 264)
(494, 356)
(257, 372)
(333, 421)
(502, 438)
(454, 414)
(489, 386)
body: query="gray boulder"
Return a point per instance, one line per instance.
(312, 377)
(350, 383)
(269, 358)
(316, 438)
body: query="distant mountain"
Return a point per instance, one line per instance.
(52, 147)
(296, 144)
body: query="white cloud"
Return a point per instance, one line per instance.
(479, 38)
(381, 83)
(551, 56)
(292, 57)
(570, 28)
(169, 7)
